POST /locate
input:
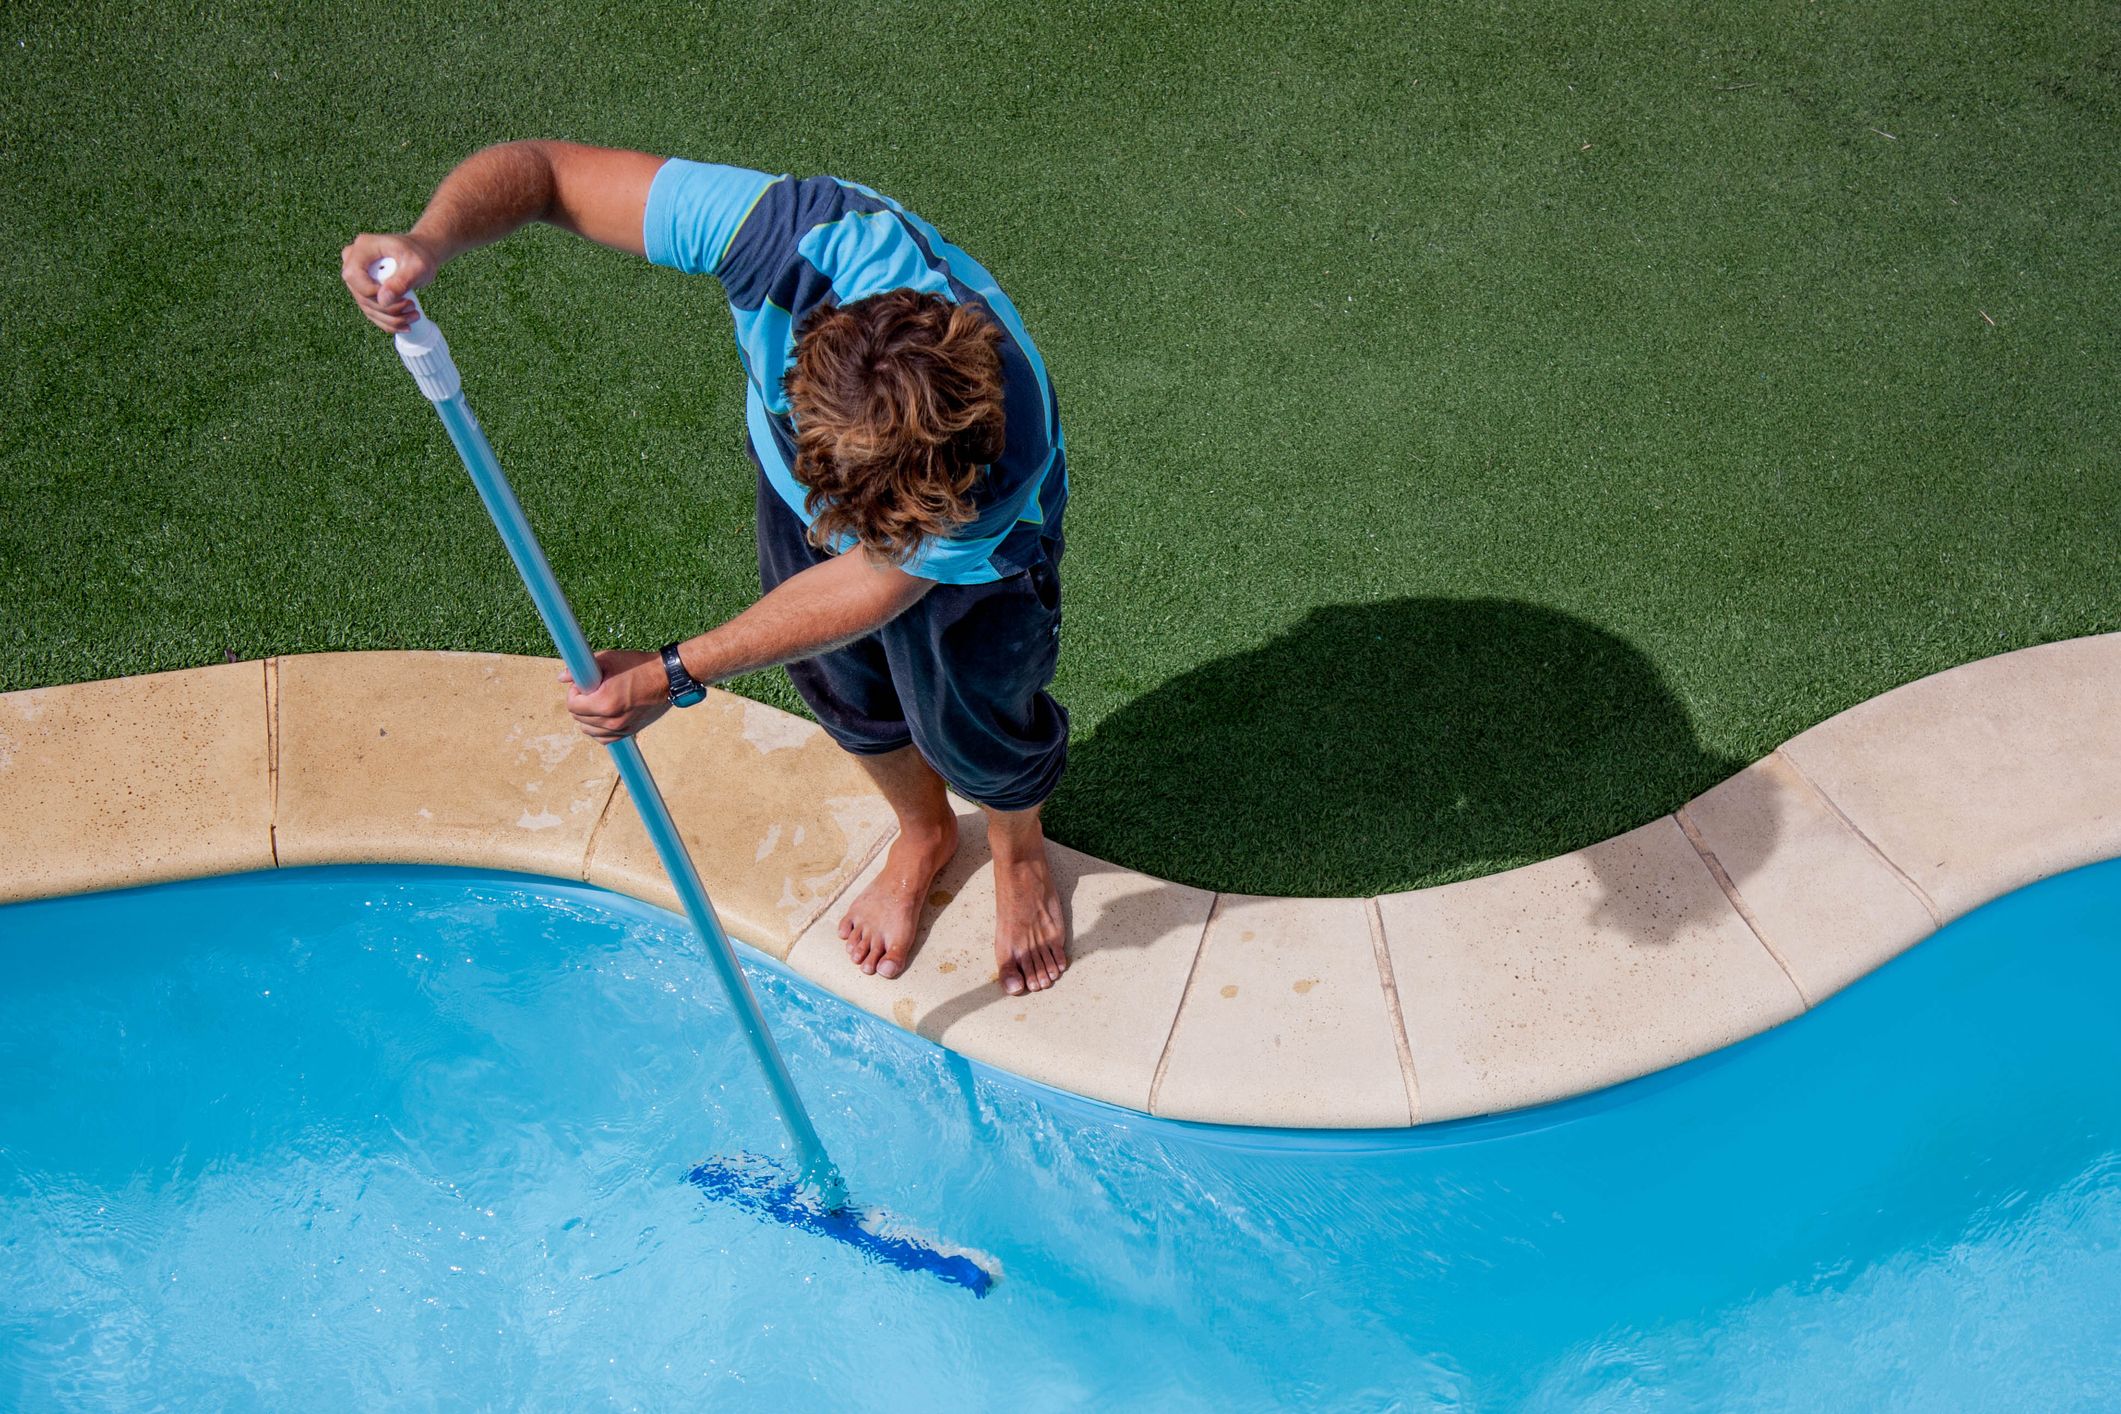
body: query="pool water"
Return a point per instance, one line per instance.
(369, 1138)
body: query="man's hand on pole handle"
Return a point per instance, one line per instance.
(421, 347)
(386, 304)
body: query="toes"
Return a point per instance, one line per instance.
(1012, 979)
(1038, 962)
(1034, 971)
(895, 956)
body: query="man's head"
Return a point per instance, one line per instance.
(898, 404)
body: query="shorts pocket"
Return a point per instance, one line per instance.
(1045, 583)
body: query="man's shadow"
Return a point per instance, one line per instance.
(1377, 747)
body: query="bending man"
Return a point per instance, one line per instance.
(910, 489)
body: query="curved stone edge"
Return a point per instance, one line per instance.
(1749, 904)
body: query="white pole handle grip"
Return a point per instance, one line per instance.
(424, 351)
(382, 270)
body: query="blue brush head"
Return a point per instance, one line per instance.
(771, 1192)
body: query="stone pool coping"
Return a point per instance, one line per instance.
(1744, 907)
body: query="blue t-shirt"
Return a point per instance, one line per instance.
(782, 247)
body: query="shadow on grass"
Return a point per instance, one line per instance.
(1378, 747)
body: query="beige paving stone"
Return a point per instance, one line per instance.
(1285, 1022)
(434, 758)
(1575, 973)
(1984, 778)
(134, 780)
(1817, 895)
(1098, 1032)
(778, 819)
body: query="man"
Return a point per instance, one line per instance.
(911, 483)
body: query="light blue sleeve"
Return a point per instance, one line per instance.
(968, 556)
(694, 210)
(948, 560)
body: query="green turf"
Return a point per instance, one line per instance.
(1489, 426)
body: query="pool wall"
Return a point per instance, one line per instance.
(1749, 904)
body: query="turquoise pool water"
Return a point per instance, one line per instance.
(412, 1139)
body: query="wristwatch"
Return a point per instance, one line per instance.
(685, 689)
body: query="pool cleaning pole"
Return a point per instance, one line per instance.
(426, 356)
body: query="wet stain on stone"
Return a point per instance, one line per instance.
(902, 1012)
(1247, 936)
(1230, 991)
(1307, 984)
(940, 897)
(946, 967)
(1019, 1016)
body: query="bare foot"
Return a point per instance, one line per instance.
(1030, 931)
(881, 922)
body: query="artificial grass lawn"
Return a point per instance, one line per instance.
(1489, 426)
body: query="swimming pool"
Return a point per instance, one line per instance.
(418, 1138)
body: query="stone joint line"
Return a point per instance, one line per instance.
(596, 831)
(272, 758)
(1737, 900)
(1185, 994)
(1400, 1041)
(1921, 895)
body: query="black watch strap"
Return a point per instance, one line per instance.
(685, 689)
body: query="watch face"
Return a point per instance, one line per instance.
(685, 690)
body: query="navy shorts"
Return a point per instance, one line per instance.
(961, 675)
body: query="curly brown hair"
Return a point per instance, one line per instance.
(898, 408)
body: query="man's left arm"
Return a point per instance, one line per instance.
(826, 606)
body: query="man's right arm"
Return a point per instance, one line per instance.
(599, 193)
